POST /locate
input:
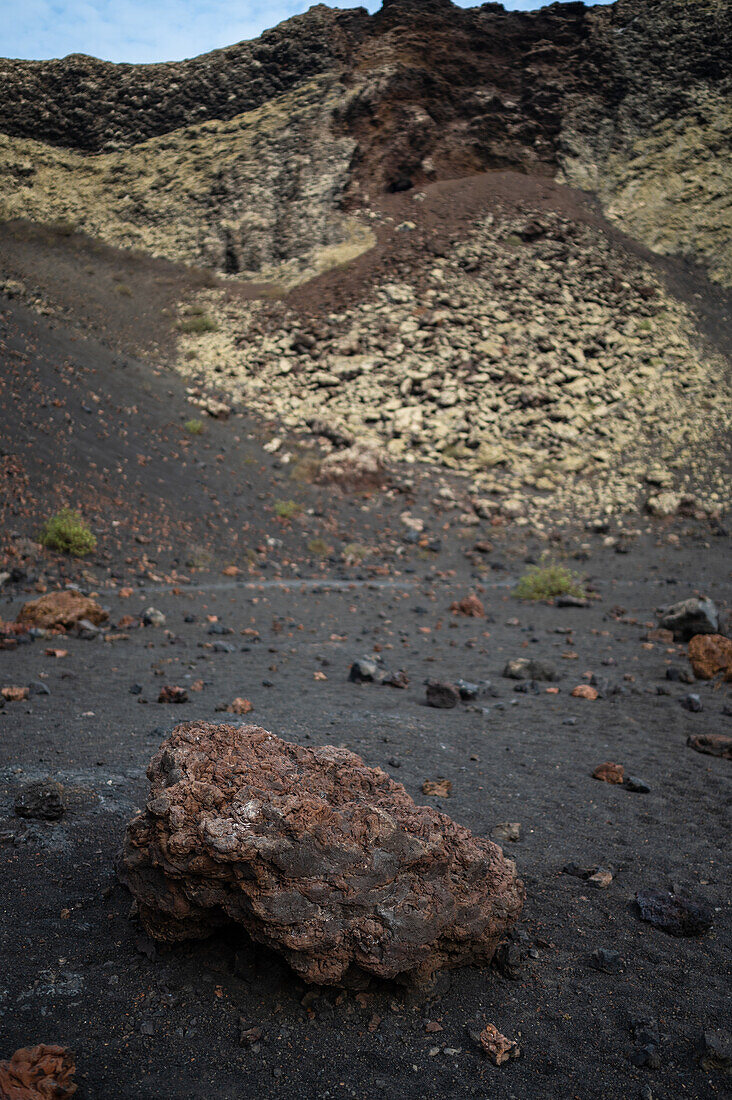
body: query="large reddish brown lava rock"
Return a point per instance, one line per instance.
(710, 654)
(314, 854)
(61, 609)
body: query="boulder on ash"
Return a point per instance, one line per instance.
(313, 853)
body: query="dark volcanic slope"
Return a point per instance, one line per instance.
(507, 78)
(91, 104)
(629, 101)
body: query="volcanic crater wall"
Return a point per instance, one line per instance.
(630, 101)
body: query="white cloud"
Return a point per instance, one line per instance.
(150, 30)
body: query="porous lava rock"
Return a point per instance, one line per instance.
(42, 1072)
(710, 654)
(61, 609)
(314, 854)
(471, 606)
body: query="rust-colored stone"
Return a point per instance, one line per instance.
(609, 773)
(470, 606)
(38, 1073)
(61, 609)
(438, 788)
(710, 654)
(170, 693)
(712, 744)
(14, 694)
(240, 706)
(498, 1048)
(314, 854)
(584, 691)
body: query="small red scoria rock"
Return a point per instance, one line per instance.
(470, 606)
(609, 773)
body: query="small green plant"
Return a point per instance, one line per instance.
(124, 290)
(66, 533)
(319, 547)
(354, 553)
(544, 582)
(196, 324)
(194, 427)
(286, 509)
(305, 470)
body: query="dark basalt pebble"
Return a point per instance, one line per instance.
(444, 696)
(42, 799)
(679, 916)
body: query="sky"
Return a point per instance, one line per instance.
(153, 30)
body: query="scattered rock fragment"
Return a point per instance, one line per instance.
(14, 693)
(571, 601)
(470, 606)
(716, 1050)
(172, 694)
(679, 675)
(645, 1031)
(370, 670)
(663, 505)
(42, 1072)
(363, 671)
(42, 799)
(469, 692)
(442, 695)
(606, 960)
(242, 826)
(240, 706)
(585, 691)
(152, 617)
(509, 959)
(356, 468)
(61, 609)
(636, 784)
(439, 788)
(673, 913)
(524, 668)
(506, 831)
(609, 773)
(713, 744)
(498, 1048)
(692, 702)
(711, 654)
(601, 878)
(690, 617)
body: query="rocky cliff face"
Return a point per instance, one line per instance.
(629, 101)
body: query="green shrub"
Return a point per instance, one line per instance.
(286, 509)
(66, 533)
(194, 427)
(319, 547)
(544, 582)
(196, 324)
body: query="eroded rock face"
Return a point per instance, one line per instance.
(61, 609)
(314, 854)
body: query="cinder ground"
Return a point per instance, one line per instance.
(165, 1025)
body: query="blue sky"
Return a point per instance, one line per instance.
(151, 30)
